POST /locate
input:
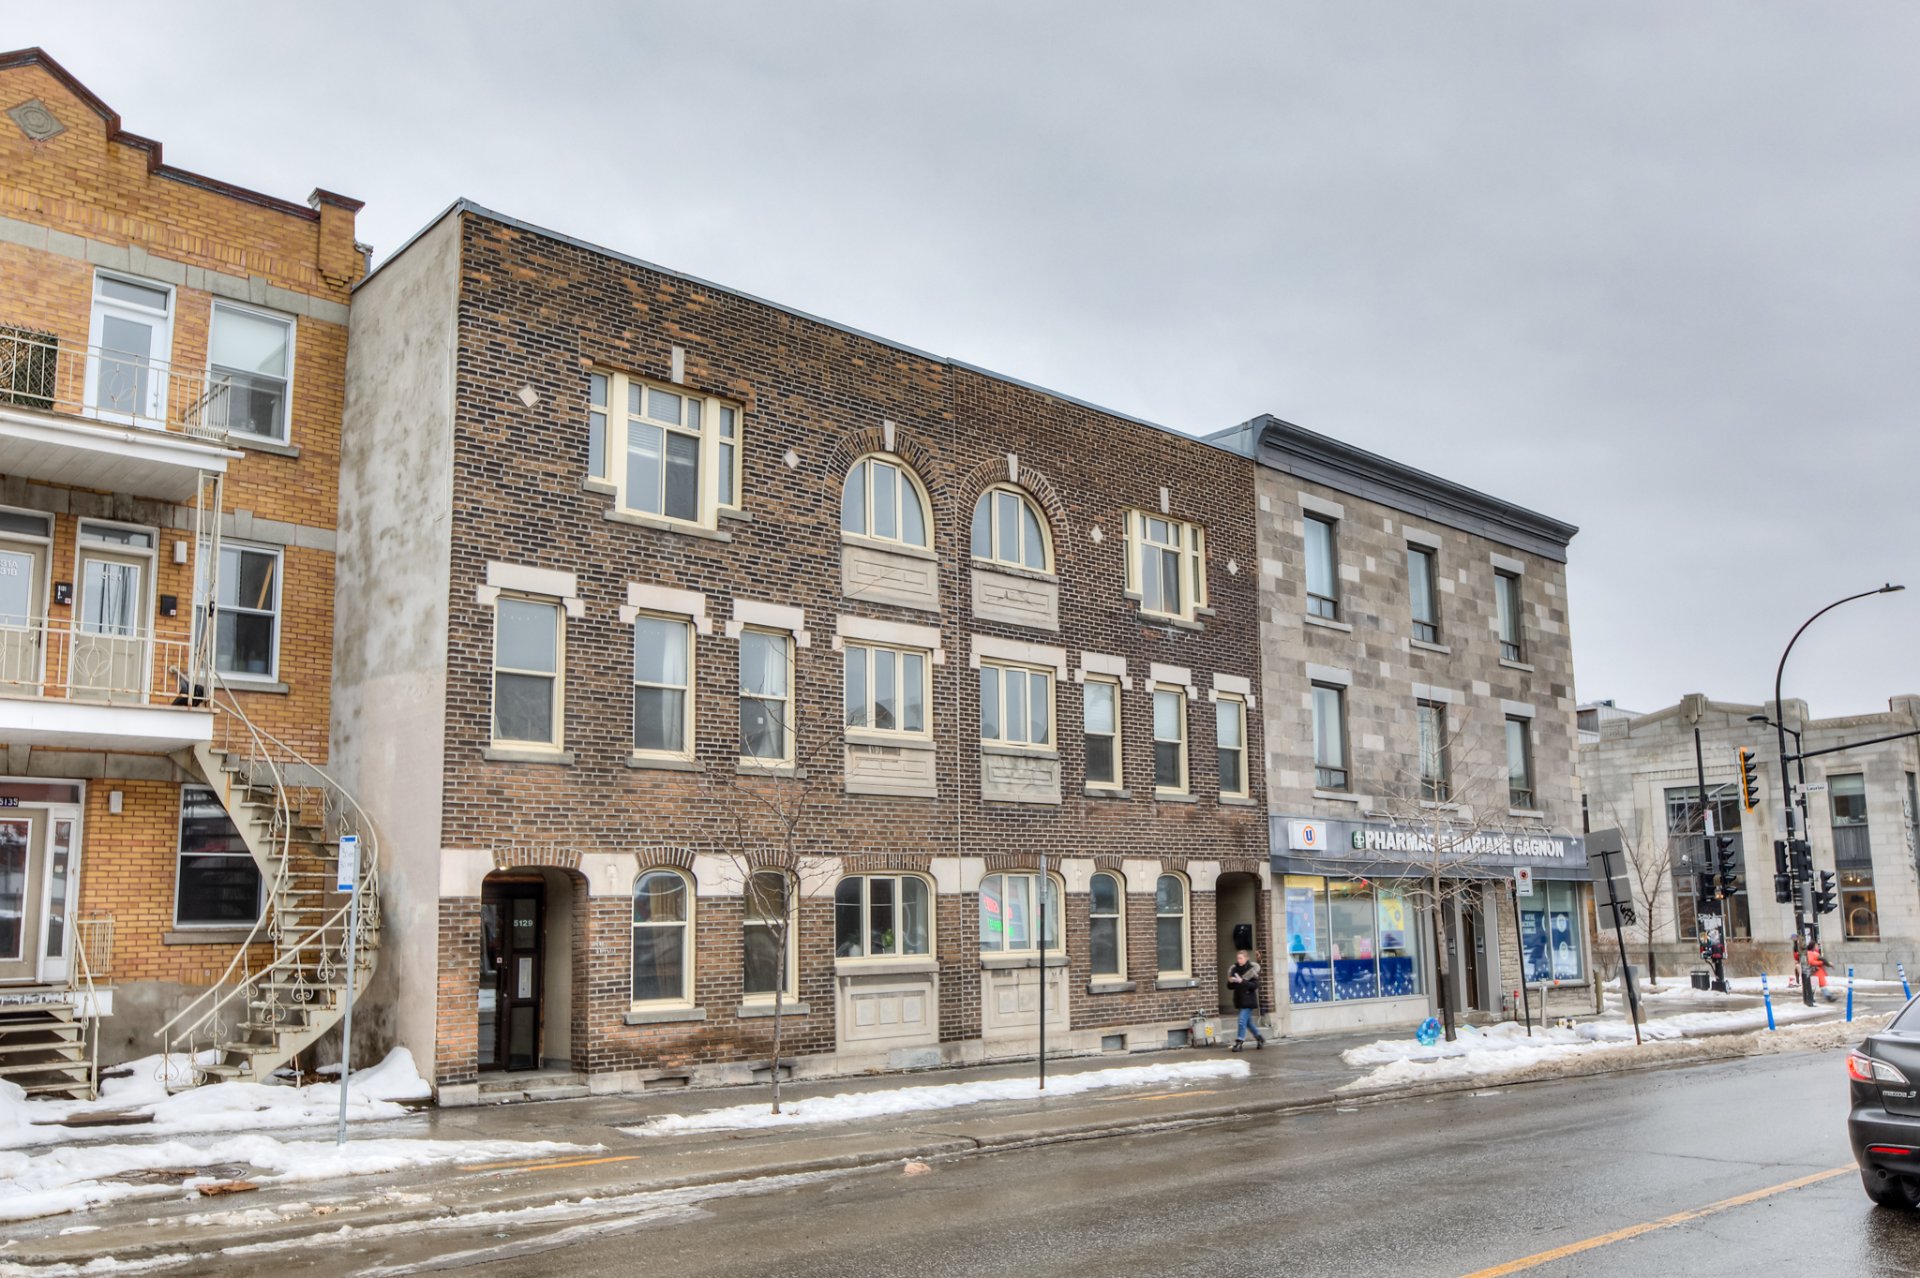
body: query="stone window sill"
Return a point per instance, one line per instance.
(1338, 796)
(1424, 646)
(1015, 570)
(1527, 812)
(661, 763)
(1238, 801)
(255, 444)
(1111, 987)
(1107, 792)
(745, 517)
(757, 1010)
(760, 768)
(602, 486)
(1172, 797)
(1516, 665)
(265, 687)
(856, 736)
(1005, 962)
(886, 547)
(664, 1015)
(1019, 751)
(1175, 983)
(208, 936)
(666, 525)
(1326, 623)
(926, 966)
(524, 754)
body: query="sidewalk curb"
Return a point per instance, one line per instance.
(937, 1146)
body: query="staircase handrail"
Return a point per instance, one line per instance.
(83, 979)
(349, 811)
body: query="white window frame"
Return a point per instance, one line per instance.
(898, 951)
(1185, 916)
(1118, 780)
(789, 702)
(1340, 725)
(722, 426)
(279, 611)
(1186, 771)
(1057, 892)
(1188, 544)
(1238, 705)
(1509, 616)
(179, 857)
(689, 953)
(687, 702)
(997, 537)
(154, 410)
(1440, 783)
(288, 322)
(1119, 917)
(790, 955)
(906, 485)
(558, 675)
(867, 650)
(1526, 755)
(1432, 598)
(1326, 607)
(1001, 669)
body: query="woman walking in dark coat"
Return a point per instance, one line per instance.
(1244, 976)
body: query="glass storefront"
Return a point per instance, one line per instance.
(1550, 932)
(1350, 939)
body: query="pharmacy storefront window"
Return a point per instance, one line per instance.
(1550, 932)
(1350, 939)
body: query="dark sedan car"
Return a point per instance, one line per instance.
(1885, 1122)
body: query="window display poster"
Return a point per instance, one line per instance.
(1301, 936)
(1533, 943)
(1566, 961)
(1393, 923)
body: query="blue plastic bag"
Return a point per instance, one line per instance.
(1429, 1032)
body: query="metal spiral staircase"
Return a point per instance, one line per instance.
(291, 814)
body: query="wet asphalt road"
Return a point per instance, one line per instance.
(1453, 1186)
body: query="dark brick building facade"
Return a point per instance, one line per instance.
(556, 456)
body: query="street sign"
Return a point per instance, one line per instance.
(349, 873)
(1523, 880)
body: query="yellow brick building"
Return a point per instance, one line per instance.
(172, 359)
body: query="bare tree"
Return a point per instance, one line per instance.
(1444, 811)
(1647, 850)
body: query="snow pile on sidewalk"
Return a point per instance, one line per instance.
(216, 1107)
(77, 1177)
(1504, 1052)
(848, 1106)
(1675, 989)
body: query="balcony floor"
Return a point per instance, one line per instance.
(89, 725)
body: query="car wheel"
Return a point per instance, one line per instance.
(1887, 1190)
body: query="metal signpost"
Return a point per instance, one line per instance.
(1522, 886)
(1043, 971)
(1607, 844)
(348, 881)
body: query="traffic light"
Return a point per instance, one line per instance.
(1703, 891)
(1783, 889)
(1800, 858)
(1824, 900)
(1726, 856)
(1749, 779)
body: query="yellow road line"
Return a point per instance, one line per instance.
(551, 1166)
(1647, 1227)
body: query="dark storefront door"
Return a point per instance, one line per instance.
(1472, 952)
(510, 975)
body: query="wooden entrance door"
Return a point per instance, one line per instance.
(1472, 954)
(22, 882)
(512, 925)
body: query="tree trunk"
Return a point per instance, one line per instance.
(779, 1007)
(1443, 983)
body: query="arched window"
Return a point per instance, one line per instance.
(1170, 924)
(882, 916)
(662, 938)
(1007, 904)
(883, 500)
(1107, 925)
(768, 934)
(1007, 529)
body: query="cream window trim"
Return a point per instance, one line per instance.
(1238, 686)
(1188, 543)
(1506, 563)
(1421, 537)
(1515, 709)
(557, 739)
(790, 952)
(1006, 744)
(690, 692)
(1313, 505)
(1119, 690)
(524, 579)
(869, 656)
(1119, 916)
(1242, 705)
(907, 480)
(689, 952)
(1329, 674)
(1179, 676)
(1184, 740)
(785, 763)
(891, 634)
(996, 535)
(1430, 692)
(1186, 927)
(899, 959)
(666, 601)
(715, 417)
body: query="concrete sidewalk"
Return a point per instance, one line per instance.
(1288, 1076)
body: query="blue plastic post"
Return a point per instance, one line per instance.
(1766, 997)
(1849, 992)
(1904, 987)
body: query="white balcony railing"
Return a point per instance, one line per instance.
(118, 666)
(38, 371)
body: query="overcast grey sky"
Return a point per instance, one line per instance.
(1651, 268)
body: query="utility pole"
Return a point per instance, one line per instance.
(1713, 942)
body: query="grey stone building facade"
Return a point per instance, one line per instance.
(1639, 776)
(1419, 705)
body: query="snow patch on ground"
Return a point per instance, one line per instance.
(849, 1106)
(1504, 1053)
(77, 1177)
(216, 1107)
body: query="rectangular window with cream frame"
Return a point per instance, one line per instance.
(667, 453)
(528, 671)
(886, 690)
(1016, 705)
(662, 686)
(1100, 721)
(1166, 565)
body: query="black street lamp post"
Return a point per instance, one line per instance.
(1805, 921)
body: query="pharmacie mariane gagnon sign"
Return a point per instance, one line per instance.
(1558, 854)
